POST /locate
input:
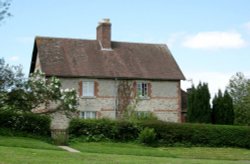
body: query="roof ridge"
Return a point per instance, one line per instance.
(115, 41)
(63, 38)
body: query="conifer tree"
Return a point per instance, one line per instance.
(222, 111)
(229, 110)
(199, 110)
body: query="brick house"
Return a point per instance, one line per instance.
(97, 68)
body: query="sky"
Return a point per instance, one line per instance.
(209, 39)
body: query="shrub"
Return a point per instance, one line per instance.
(163, 133)
(103, 129)
(200, 134)
(147, 136)
(25, 122)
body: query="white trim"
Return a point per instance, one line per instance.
(88, 114)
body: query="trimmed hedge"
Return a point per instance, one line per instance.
(26, 122)
(107, 129)
(200, 134)
(167, 134)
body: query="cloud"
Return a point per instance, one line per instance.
(247, 26)
(215, 80)
(14, 58)
(175, 38)
(214, 40)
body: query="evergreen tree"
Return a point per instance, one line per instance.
(229, 109)
(199, 110)
(222, 111)
(191, 97)
(217, 110)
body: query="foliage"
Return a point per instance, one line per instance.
(222, 111)
(131, 114)
(47, 91)
(103, 129)
(125, 95)
(239, 90)
(10, 76)
(11, 84)
(167, 134)
(200, 134)
(199, 110)
(147, 136)
(21, 95)
(4, 9)
(25, 122)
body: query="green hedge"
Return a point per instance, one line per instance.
(108, 129)
(167, 134)
(27, 123)
(200, 134)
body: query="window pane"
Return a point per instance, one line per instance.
(91, 88)
(142, 89)
(87, 114)
(82, 115)
(88, 88)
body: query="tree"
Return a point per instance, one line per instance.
(4, 9)
(239, 90)
(199, 110)
(23, 95)
(11, 83)
(48, 92)
(229, 109)
(222, 111)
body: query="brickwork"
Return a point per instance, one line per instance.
(103, 33)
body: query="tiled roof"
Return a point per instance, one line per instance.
(84, 58)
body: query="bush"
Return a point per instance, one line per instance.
(103, 129)
(147, 136)
(163, 133)
(200, 134)
(25, 122)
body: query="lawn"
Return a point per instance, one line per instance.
(15, 150)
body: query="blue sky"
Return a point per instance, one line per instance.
(208, 38)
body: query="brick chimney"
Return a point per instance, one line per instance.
(103, 34)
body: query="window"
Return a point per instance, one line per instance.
(88, 115)
(142, 89)
(141, 114)
(88, 88)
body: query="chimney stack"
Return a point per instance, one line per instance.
(103, 34)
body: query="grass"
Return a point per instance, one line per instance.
(18, 150)
(173, 152)
(25, 142)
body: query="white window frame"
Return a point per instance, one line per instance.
(88, 88)
(88, 114)
(142, 89)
